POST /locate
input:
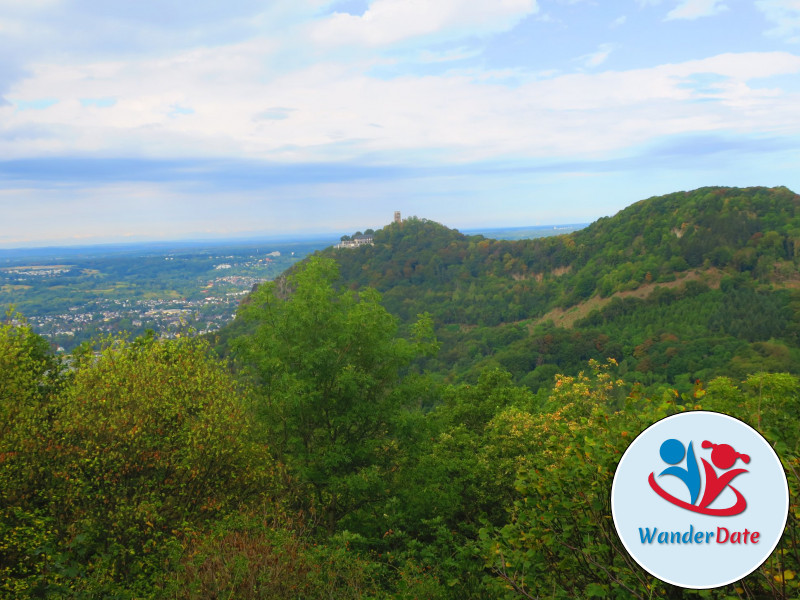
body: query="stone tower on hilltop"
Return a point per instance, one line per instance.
(397, 218)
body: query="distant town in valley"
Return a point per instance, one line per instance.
(71, 295)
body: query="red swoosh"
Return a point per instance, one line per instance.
(737, 508)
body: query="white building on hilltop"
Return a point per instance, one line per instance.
(361, 240)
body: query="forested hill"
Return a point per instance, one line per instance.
(744, 229)
(676, 288)
(421, 265)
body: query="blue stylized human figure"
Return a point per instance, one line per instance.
(672, 452)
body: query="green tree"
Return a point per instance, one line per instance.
(559, 541)
(29, 378)
(146, 442)
(328, 364)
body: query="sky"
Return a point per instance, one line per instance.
(167, 119)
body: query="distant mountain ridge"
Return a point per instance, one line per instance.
(650, 241)
(491, 299)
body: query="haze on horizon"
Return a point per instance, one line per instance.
(166, 120)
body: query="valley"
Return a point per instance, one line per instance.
(427, 414)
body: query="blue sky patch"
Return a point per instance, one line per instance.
(37, 104)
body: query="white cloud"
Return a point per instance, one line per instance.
(694, 9)
(27, 5)
(390, 21)
(598, 57)
(785, 15)
(334, 112)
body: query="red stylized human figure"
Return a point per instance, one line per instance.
(724, 457)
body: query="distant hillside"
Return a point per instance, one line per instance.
(676, 287)
(422, 265)
(746, 230)
(743, 230)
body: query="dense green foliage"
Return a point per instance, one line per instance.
(327, 367)
(478, 281)
(493, 301)
(106, 466)
(334, 459)
(559, 521)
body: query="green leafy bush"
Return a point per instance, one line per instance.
(104, 476)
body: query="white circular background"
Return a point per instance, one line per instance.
(635, 505)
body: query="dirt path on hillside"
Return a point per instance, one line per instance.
(566, 318)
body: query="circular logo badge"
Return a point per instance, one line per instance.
(700, 499)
